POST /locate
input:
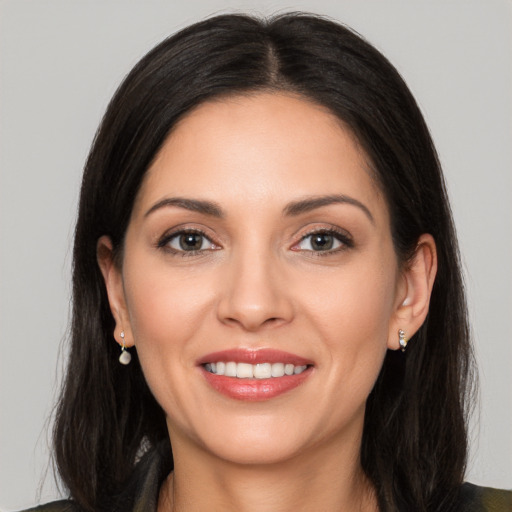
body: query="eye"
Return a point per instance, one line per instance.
(323, 241)
(187, 242)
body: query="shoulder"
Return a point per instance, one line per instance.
(140, 492)
(485, 499)
(55, 506)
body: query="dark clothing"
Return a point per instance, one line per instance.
(141, 492)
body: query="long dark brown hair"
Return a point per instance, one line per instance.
(414, 439)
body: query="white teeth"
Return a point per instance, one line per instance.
(230, 369)
(263, 371)
(244, 371)
(277, 370)
(253, 371)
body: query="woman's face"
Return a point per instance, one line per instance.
(260, 243)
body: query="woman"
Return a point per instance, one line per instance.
(266, 278)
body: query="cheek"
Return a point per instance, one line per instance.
(161, 302)
(355, 299)
(165, 311)
(352, 314)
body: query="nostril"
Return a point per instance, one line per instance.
(253, 304)
(254, 324)
(273, 322)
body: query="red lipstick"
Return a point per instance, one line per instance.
(254, 389)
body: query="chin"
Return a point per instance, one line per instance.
(250, 440)
(251, 451)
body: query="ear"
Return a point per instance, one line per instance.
(413, 297)
(113, 278)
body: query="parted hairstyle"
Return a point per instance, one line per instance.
(415, 431)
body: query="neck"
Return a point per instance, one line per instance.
(320, 479)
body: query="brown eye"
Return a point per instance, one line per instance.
(322, 241)
(191, 241)
(187, 241)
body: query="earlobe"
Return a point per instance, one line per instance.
(113, 279)
(413, 303)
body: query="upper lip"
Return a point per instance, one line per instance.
(254, 356)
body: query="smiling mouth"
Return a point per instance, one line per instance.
(254, 371)
(254, 375)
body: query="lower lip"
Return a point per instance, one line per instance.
(255, 390)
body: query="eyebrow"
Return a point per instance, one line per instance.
(194, 205)
(292, 209)
(312, 203)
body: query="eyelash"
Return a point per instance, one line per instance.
(341, 236)
(163, 243)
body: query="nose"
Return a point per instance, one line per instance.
(254, 293)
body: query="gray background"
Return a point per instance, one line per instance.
(60, 62)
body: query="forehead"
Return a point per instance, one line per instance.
(264, 148)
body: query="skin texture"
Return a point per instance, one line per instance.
(258, 282)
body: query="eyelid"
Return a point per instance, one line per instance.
(341, 235)
(163, 241)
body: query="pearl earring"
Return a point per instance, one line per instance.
(402, 340)
(125, 356)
